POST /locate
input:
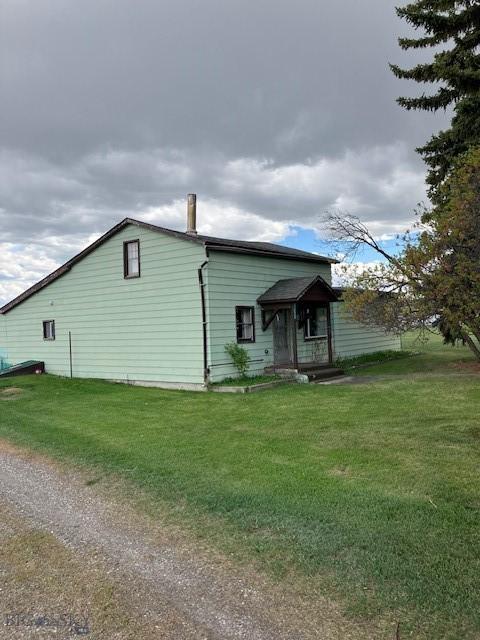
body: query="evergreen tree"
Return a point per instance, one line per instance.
(455, 71)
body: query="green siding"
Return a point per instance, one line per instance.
(143, 329)
(235, 279)
(3, 344)
(351, 338)
(149, 329)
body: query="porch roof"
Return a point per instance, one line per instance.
(309, 289)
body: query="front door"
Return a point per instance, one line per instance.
(282, 338)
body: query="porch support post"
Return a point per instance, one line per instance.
(329, 333)
(294, 336)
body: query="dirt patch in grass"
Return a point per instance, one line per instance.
(10, 393)
(6, 447)
(29, 454)
(469, 367)
(340, 471)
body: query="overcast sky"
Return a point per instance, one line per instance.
(272, 111)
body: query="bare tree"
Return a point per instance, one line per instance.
(434, 280)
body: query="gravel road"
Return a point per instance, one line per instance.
(208, 600)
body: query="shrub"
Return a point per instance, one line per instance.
(239, 356)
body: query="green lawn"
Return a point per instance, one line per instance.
(434, 357)
(370, 491)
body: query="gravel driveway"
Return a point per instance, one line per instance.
(166, 580)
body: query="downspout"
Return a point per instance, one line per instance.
(202, 284)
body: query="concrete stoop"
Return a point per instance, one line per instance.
(310, 373)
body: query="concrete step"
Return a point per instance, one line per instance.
(313, 366)
(323, 373)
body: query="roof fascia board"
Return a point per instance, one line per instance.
(269, 254)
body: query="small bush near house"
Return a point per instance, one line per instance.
(240, 358)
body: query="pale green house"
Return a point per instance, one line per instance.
(153, 306)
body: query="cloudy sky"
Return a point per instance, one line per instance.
(272, 111)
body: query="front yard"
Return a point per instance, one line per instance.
(368, 491)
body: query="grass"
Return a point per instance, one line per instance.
(369, 491)
(433, 357)
(349, 365)
(245, 381)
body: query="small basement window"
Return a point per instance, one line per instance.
(49, 329)
(131, 259)
(245, 319)
(316, 322)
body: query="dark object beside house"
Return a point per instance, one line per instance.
(23, 369)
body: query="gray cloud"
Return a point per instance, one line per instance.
(270, 78)
(272, 111)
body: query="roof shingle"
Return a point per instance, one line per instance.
(293, 289)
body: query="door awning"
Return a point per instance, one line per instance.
(292, 290)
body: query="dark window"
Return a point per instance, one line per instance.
(131, 259)
(245, 318)
(49, 329)
(316, 323)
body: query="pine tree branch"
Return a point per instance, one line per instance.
(440, 100)
(456, 70)
(420, 43)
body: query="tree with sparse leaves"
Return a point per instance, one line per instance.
(435, 279)
(455, 71)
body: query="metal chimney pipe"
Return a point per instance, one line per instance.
(192, 213)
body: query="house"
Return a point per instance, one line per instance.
(153, 306)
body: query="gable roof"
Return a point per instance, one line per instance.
(294, 289)
(210, 243)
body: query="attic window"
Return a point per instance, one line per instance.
(245, 319)
(49, 329)
(131, 259)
